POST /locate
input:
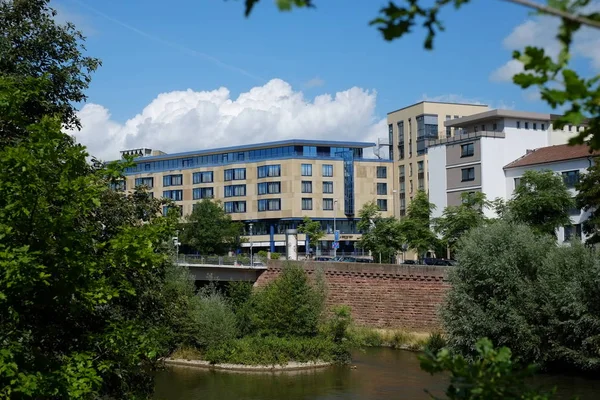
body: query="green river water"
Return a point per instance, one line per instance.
(380, 374)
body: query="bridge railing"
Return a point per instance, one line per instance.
(221, 260)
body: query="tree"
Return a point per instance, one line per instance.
(33, 45)
(542, 201)
(210, 230)
(560, 86)
(458, 220)
(416, 225)
(313, 231)
(381, 236)
(588, 199)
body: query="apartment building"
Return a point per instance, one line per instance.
(472, 160)
(274, 185)
(409, 131)
(568, 161)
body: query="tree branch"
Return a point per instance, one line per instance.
(558, 13)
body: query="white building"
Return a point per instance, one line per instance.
(568, 161)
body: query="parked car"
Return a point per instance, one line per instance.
(364, 260)
(348, 259)
(323, 259)
(409, 262)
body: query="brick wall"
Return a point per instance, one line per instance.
(381, 296)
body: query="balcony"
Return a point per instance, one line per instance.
(465, 137)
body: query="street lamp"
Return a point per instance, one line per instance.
(251, 255)
(176, 243)
(334, 228)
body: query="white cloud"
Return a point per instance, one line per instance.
(540, 31)
(314, 82)
(191, 120)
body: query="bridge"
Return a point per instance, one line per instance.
(222, 268)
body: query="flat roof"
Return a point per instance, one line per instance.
(552, 154)
(258, 146)
(496, 114)
(438, 102)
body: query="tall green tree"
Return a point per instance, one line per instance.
(458, 220)
(559, 84)
(542, 201)
(588, 199)
(416, 226)
(381, 236)
(312, 229)
(33, 45)
(209, 230)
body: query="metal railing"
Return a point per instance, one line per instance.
(241, 260)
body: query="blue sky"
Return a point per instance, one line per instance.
(151, 47)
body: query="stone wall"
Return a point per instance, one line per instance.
(381, 296)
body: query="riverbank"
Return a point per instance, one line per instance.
(289, 366)
(393, 338)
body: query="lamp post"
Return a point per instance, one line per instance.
(176, 243)
(334, 228)
(251, 255)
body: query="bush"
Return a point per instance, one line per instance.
(217, 324)
(263, 254)
(523, 291)
(435, 342)
(275, 256)
(289, 306)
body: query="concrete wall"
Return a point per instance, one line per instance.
(381, 296)
(437, 179)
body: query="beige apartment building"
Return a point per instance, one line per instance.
(409, 131)
(273, 186)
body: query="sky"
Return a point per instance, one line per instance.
(194, 74)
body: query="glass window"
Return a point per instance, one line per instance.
(176, 195)
(269, 170)
(420, 166)
(518, 124)
(202, 193)
(306, 169)
(202, 177)
(235, 190)
(173, 180)
(147, 182)
(235, 206)
(494, 126)
(381, 172)
(572, 232)
(571, 178)
(269, 205)
(327, 204)
(382, 189)
(382, 204)
(468, 174)
(543, 127)
(517, 182)
(327, 187)
(535, 126)
(167, 208)
(467, 150)
(306, 204)
(269, 187)
(526, 125)
(327, 170)
(306, 187)
(235, 174)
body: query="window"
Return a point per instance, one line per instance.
(448, 129)
(535, 126)
(235, 190)
(269, 170)
(202, 177)
(381, 189)
(306, 169)
(467, 150)
(269, 205)
(382, 204)
(572, 232)
(235, 206)
(119, 185)
(570, 127)
(543, 127)
(148, 182)
(202, 193)
(176, 195)
(327, 187)
(173, 180)
(518, 124)
(409, 169)
(328, 204)
(306, 187)
(482, 128)
(401, 170)
(420, 166)
(571, 178)
(306, 204)
(517, 183)
(494, 126)
(526, 125)
(167, 208)
(327, 170)
(468, 174)
(235, 174)
(269, 187)
(381, 172)
(574, 211)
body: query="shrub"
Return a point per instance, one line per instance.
(288, 306)
(263, 254)
(186, 353)
(275, 256)
(217, 324)
(239, 295)
(435, 342)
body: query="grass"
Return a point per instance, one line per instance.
(187, 353)
(394, 338)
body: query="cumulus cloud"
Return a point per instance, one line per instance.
(192, 120)
(540, 31)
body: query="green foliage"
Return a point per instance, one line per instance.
(210, 230)
(588, 199)
(275, 256)
(216, 321)
(312, 229)
(416, 225)
(381, 236)
(523, 291)
(458, 220)
(288, 306)
(542, 201)
(492, 375)
(435, 342)
(263, 254)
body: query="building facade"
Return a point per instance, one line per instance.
(409, 131)
(274, 186)
(570, 162)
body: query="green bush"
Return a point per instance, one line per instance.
(275, 256)
(288, 306)
(435, 342)
(216, 322)
(523, 291)
(263, 254)
(239, 296)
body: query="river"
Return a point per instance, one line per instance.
(380, 374)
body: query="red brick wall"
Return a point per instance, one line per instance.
(381, 296)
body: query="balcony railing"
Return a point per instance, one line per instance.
(466, 137)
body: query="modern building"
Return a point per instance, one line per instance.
(409, 131)
(472, 159)
(274, 185)
(568, 161)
